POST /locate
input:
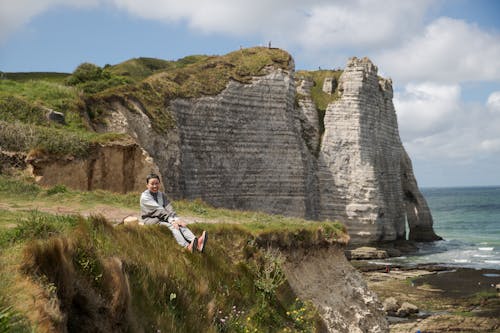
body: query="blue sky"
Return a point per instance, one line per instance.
(442, 55)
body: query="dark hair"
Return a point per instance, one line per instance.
(151, 176)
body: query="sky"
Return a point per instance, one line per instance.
(443, 56)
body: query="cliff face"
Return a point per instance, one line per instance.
(360, 158)
(338, 290)
(257, 146)
(243, 148)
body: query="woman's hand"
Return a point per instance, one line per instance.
(178, 224)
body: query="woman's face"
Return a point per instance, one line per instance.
(153, 185)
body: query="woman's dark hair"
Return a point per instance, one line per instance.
(151, 176)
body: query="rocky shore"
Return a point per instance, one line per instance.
(434, 297)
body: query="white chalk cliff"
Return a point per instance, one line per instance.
(256, 146)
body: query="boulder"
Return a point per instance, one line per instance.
(391, 306)
(56, 117)
(366, 252)
(406, 310)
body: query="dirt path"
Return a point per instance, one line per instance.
(111, 213)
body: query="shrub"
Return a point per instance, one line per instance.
(87, 72)
(57, 189)
(92, 78)
(13, 108)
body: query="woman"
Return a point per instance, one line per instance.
(156, 209)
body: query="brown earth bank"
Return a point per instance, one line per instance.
(446, 299)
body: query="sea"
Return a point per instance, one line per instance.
(468, 219)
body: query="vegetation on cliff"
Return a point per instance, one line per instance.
(85, 95)
(63, 271)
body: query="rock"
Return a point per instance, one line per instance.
(329, 85)
(56, 117)
(131, 220)
(363, 172)
(337, 290)
(391, 306)
(406, 309)
(365, 252)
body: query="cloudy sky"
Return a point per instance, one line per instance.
(442, 55)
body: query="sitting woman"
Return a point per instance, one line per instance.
(156, 209)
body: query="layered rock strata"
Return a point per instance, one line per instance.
(243, 148)
(365, 175)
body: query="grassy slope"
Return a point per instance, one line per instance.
(239, 277)
(25, 97)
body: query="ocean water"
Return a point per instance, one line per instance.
(469, 221)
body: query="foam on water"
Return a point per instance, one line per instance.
(469, 221)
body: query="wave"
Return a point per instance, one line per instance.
(492, 261)
(485, 248)
(461, 261)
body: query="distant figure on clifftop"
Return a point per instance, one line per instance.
(156, 209)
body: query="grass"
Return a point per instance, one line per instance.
(66, 260)
(30, 76)
(19, 100)
(320, 98)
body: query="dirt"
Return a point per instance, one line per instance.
(113, 214)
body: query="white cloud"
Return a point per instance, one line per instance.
(490, 145)
(318, 24)
(448, 51)
(449, 129)
(360, 24)
(426, 108)
(493, 102)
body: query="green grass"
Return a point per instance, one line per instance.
(56, 142)
(139, 68)
(29, 76)
(320, 98)
(28, 101)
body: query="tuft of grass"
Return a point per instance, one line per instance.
(38, 226)
(16, 187)
(27, 101)
(11, 321)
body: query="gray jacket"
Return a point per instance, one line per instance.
(152, 211)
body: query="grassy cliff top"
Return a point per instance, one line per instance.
(190, 77)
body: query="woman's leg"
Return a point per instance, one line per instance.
(182, 237)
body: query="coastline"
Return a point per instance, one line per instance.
(448, 298)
